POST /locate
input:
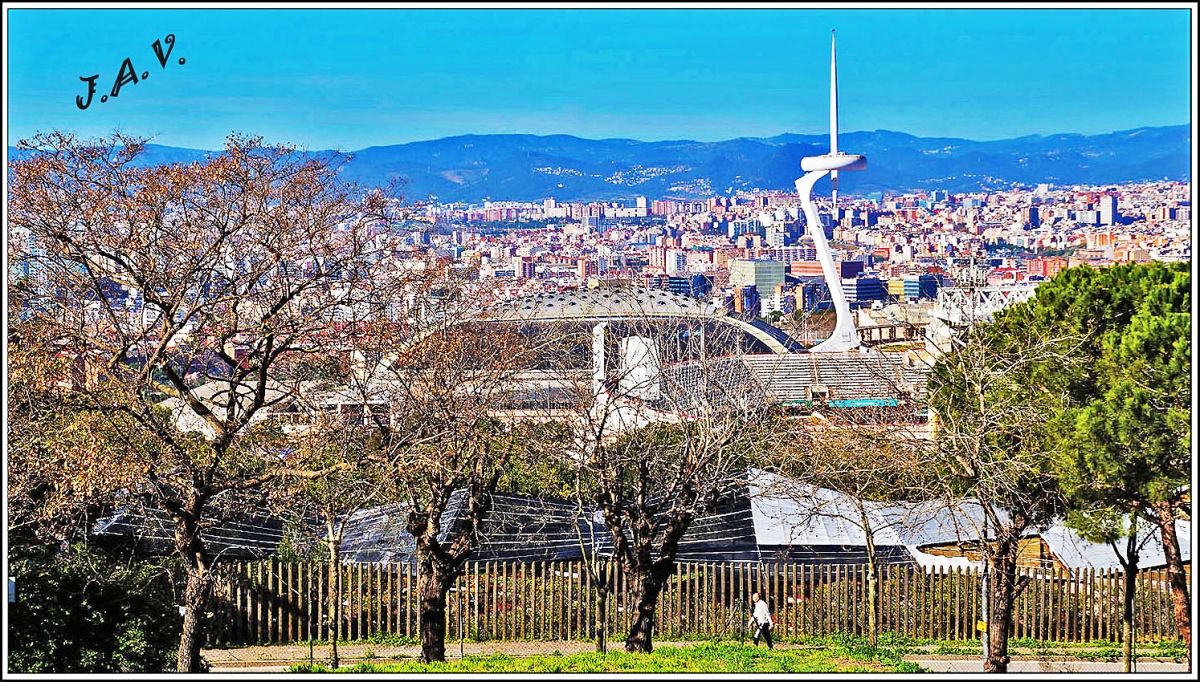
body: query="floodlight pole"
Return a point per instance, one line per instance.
(984, 587)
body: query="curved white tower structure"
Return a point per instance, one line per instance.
(845, 336)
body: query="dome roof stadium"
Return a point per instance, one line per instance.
(599, 304)
(632, 304)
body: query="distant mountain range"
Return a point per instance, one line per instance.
(472, 168)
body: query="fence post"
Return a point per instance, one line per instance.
(810, 606)
(506, 602)
(360, 613)
(379, 611)
(958, 606)
(277, 632)
(259, 615)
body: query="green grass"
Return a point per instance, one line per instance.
(1167, 648)
(1023, 647)
(715, 658)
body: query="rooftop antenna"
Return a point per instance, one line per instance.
(845, 336)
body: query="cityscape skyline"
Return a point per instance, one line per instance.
(403, 75)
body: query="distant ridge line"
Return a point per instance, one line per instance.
(526, 167)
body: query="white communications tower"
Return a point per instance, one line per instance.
(845, 336)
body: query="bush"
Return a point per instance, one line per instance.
(80, 611)
(1172, 648)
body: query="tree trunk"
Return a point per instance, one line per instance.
(1165, 518)
(602, 588)
(641, 634)
(432, 585)
(1131, 572)
(873, 601)
(195, 601)
(1001, 582)
(333, 610)
(1129, 564)
(872, 575)
(190, 547)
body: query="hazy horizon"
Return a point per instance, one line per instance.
(269, 140)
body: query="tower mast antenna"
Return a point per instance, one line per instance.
(833, 116)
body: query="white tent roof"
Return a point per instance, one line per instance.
(787, 512)
(823, 517)
(1075, 552)
(790, 513)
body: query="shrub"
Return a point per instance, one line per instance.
(1173, 648)
(80, 611)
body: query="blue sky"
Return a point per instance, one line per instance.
(347, 79)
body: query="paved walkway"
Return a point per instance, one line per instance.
(956, 664)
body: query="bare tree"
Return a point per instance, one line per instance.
(178, 296)
(871, 457)
(664, 425)
(444, 377)
(352, 479)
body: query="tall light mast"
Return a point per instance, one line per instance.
(845, 335)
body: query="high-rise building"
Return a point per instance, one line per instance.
(1108, 210)
(776, 236)
(864, 289)
(814, 295)
(1046, 267)
(586, 268)
(1029, 216)
(764, 274)
(749, 226)
(922, 286)
(746, 302)
(675, 260)
(696, 286)
(526, 268)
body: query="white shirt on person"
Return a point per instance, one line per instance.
(762, 615)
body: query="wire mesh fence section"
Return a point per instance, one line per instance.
(273, 602)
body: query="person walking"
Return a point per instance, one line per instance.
(762, 620)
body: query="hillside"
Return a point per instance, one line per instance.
(472, 168)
